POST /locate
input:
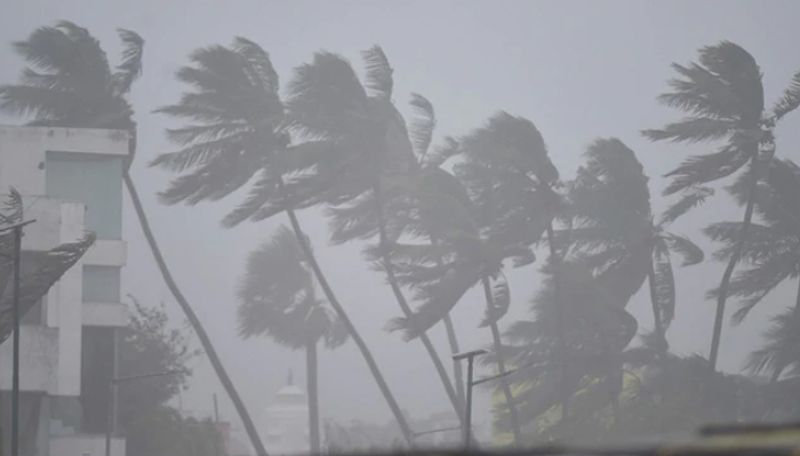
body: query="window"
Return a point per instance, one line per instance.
(94, 180)
(101, 284)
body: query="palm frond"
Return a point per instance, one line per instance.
(259, 62)
(379, 73)
(665, 289)
(701, 169)
(790, 99)
(422, 124)
(40, 270)
(693, 129)
(131, 66)
(780, 349)
(437, 299)
(755, 283)
(691, 253)
(326, 99)
(690, 198)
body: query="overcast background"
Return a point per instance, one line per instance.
(578, 70)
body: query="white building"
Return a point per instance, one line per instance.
(285, 422)
(71, 182)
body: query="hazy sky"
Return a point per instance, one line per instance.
(579, 70)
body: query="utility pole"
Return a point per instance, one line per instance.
(470, 357)
(17, 229)
(112, 406)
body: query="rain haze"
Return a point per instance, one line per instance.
(578, 70)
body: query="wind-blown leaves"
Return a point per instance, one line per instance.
(379, 73)
(131, 66)
(39, 271)
(422, 124)
(701, 169)
(690, 198)
(772, 249)
(790, 99)
(691, 253)
(237, 131)
(70, 82)
(277, 297)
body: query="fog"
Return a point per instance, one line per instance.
(579, 70)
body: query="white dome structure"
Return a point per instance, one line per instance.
(285, 422)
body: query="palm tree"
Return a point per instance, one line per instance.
(614, 233)
(71, 84)
(508, 172)
(503, 206)
(724, 98)
(772, 252)
(595, 331)
(278, 300)
(373, 163)
(238, 135)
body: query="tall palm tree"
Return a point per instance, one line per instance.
(71, 84)
(277, 299)
(723, 96)
(503, 206)
(772, 252)
(508, 172)
(238, 135)
(614, 233)
(374, 161)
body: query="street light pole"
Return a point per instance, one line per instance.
(112, 403)
(17, 229)
(470, 357)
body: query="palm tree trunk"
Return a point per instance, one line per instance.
(657, 324)
(313, 397)
(555, 260)
(385, 252)
(205, 341)
(351, 329)
(501, 366)
(458, 371)
(737, 253)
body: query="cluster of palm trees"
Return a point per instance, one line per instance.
(438, 221)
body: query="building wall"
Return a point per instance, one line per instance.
(71, 182)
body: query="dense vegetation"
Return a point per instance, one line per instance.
(438, 220)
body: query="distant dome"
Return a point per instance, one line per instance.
(290, 394)
(285, 421)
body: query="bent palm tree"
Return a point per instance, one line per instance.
(773, 253)
(373, 163)
(614, 234)
(724, 97)
(277, 299)
(238, 135)
(71, 84)
(503, 206)
(508, 172)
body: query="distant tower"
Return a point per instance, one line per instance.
(285, 421)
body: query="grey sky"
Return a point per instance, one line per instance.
(579, 70)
